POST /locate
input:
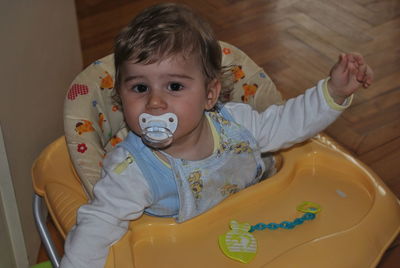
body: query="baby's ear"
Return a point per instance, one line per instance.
(213, 91)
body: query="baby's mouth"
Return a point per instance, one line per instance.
(157, 131)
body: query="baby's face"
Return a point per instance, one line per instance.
(173, 85)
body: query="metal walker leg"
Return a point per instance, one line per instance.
(44, 232)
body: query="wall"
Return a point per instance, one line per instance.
(40, 55)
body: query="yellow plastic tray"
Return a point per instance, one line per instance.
(360, 217)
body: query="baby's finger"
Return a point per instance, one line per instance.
(362, 73)
(341, 64)
(358, 57)
(369, 75)
(351, 68)
(351, 57)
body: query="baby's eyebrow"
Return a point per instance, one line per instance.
(184, 76)
(132, 77)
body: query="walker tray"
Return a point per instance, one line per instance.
(360, 217)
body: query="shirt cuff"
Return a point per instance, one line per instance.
(331, 102)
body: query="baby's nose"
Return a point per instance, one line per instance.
(156, 101)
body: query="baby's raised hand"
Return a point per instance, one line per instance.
(347, 75)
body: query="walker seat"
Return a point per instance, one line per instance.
(360, 216)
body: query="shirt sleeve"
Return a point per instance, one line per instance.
(119, 197)
(298, 119)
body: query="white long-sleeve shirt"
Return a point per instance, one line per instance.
(123, 193)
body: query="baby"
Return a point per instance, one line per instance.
(185, 146)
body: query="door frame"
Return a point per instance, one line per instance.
(10, 210)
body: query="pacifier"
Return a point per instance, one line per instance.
(157, 131)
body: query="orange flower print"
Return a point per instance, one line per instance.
(106, 81)
(82, 148)
(115, 108)
(115, 140)
(238, 73)
(226, 51)
(248, 91)
(84, 126)
(102, 119)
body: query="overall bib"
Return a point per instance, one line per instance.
(189, 188)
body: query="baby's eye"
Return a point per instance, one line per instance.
(175, 87)
(140, 88)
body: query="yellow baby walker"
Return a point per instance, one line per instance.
(323, 208)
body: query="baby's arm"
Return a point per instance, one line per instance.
(281, 126)
(347, 75)
(300, 118)
(120, 196)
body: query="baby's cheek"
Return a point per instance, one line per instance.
(133, 124)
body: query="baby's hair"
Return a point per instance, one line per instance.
(166, 30)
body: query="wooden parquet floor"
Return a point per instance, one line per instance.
(297, 42)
